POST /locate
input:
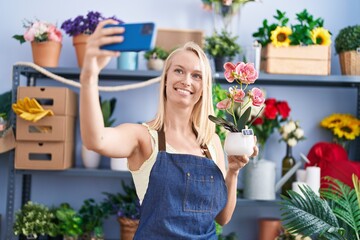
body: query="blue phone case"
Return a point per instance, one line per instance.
(137, 37)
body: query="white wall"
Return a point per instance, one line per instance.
(309, 104)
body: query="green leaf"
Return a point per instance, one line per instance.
(20, 38)
(223, 122)
(244, 118)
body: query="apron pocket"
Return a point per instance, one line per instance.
(199, 193)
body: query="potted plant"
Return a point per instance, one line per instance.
(333, 215)
(347, 45)
(7, 138)
(80, 28)
(127, 208)
(45, 41)
(34, 221)
(222, 47)
(156, 58)
(90, 158)
(68, 222)
(306, 43)
(93, 215)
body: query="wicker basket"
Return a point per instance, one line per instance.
(350, 62)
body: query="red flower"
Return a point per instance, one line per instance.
(270, 112)
(283, 108)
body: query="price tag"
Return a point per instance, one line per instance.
(247, 132)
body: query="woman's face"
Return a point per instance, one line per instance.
(184, 79)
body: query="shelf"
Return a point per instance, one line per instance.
(264, 78)
(78, 172)
(253, 203)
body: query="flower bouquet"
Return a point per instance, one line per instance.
(291, 133)
(344, 127)
(243, 74)
(45, 41)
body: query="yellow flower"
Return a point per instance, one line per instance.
(280, 36)
(343, 126)
(321, 36)
(332, 120)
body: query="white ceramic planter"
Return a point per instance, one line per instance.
(155, 64)
(119, 164)
(90, 158)
(238, 144)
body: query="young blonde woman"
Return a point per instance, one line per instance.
(176, 160)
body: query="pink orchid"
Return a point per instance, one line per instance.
(257, 97)
(224, 104)
(246, 73)
(229, 71)
(239, 95)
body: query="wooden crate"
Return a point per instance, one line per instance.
(306, 60)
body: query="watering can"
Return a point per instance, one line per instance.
(260, 179)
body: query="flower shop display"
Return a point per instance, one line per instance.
(156, 58)
(34, 220)
(240, 140)
(126, 207)
(80, 28)
(68, 222)
(344, 127)
(301, 48)
(222, 47)
(291, 133)
(347, 45)
(45, 39)
(335, 214)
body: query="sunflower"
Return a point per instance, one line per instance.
(347, 130)
(321, 36)
(332, 120)
(280, 36)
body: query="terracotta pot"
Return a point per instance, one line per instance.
(46, 54)
(269, 229)
(79, 42)
(128, 228)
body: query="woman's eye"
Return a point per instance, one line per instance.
(178, 70)
(197, 76)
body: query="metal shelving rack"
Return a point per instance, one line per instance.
(32, 75)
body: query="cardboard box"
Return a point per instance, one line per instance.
(169, 39)
(49, 128)
(62, 101)
(44, 155)
(306, 60)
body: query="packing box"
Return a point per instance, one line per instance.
(44, 155)
(169, 39)
(49, 128)
(62, 101)
(306, 60)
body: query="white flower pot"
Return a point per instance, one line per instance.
(90, 158)
(238, 144)
(119, 164)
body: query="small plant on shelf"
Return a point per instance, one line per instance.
(69, 222)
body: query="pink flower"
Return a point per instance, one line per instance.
(246, 72)
(224, 104)
(54, 34)
(239, 95)
(29, 35)
(257, 96)
(229, 71)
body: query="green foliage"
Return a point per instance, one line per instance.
(123, 204)
(69, 222)
(348, 39)
(107, 109)
(218, 95)
(334, 216)
(264, 32)
(5, 106)
(93, 215)
(34, 219)
(301, 31)
(222, 45)
(156, 52)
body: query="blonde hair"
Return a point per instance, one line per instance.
(203, 108)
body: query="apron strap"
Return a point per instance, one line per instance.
(162, 143)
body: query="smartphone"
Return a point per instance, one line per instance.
(137, 37)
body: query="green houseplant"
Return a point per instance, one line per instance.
(69, 222)
(334, 215)
(34, 220)
(156, 58)
(222, 47)
(127, 209)
(107, 109)
(347, 45)
(92, 215)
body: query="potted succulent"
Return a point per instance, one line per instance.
(93, 215)
(45, 41)
(80, 28)
(90, 158)
(68, 222)
(333, 215)
(222, 47)
(347, 45)
(156, 58)
(127, 208)
(34, 221)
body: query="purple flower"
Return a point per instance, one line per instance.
(85, 25)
